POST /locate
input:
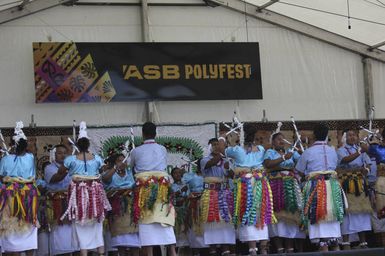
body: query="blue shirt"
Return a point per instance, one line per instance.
(217, 170)
(348, 150)
(194, 181)
(318, 157)
(78, 167)
(372, 175)
(18, 166)
(177, 187)
(119, 182)
(272, 154)
(149, 157)
(242, 158)
(378, 152)
(51, 170)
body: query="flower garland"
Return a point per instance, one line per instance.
(56, 206)
(23, 200)
(205, 203)
(87, 201)
(339, 204)
(354, 183)
(315, 198)
(256, 206)
(148, 192)
(249, 202)
(237, 200)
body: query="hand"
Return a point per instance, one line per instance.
(364, 147)
(288, 155)
(121, 166)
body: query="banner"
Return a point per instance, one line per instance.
(104, 72)
(184, 143)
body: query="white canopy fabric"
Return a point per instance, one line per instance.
(367, 17)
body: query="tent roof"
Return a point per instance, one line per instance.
(367, 17)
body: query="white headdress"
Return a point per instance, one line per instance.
(52, 155)
(82, 130)
(19, 134)
(343, 139)
(278, 130)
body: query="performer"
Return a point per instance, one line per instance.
(194, 180)
(87, 200)
(216, 202)
(57, 186)
(153, 209)
(43, 231)
(18, 198)
(180, 195)
(352, 174)
(324, 200)
(253, 202)
(119, 186)
(376, 150)
(287, 196)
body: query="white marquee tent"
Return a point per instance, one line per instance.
(313, 66)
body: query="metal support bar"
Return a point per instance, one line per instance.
(264, 6)
(149, 107)
(145, 24)
(302, 28)
(368, 85)
(371, 48)
(29, 8)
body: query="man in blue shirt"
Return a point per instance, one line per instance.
(324, 202)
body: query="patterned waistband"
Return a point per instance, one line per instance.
(249, 173)
(276, 174)
(215, 186)
(88, 182)
(57, 195)
(322, 175)
(119, 192)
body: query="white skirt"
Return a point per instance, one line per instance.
(329, 229)
(282, 229)
(196, 241)
(219, 233)
(20, 242)
(252, 233)
(156, 234)
(356, 222)
(42, 244)
(126, 240)
(59, 240)
(87, 236)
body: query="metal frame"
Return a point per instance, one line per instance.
(264, 6)
(27, 8)
(302, 28)
(371, 48)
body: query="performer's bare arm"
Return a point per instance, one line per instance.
(110, 170)
(349, 158)
(59, 175)
(107, 175)
(213, 161)
(268, 163)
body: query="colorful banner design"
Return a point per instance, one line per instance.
(184, 143)
(119, 72)
(63, 75)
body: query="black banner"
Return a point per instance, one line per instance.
(104, 72)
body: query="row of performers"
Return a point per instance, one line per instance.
(274, 193)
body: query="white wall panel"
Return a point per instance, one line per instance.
(300, 76)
